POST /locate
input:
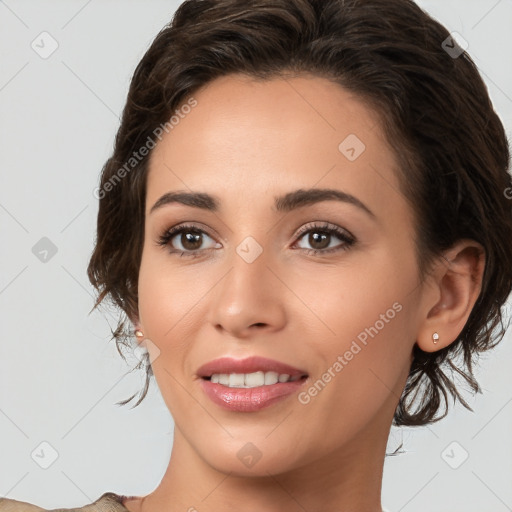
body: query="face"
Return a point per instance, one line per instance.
(258, 276)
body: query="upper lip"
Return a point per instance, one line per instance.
(252, 364)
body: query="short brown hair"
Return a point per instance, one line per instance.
(435, 111)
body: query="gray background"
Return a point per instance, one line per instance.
(60, 376)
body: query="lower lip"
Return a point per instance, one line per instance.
(249, 399)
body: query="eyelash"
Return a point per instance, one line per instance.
(325, 228)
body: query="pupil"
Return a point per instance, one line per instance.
(191, 240)
(314, 237)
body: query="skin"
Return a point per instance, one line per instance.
(246, 142)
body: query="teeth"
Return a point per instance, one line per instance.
(251, 380)
(236, 380)
(271, 378)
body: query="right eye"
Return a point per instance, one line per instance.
(186, 240)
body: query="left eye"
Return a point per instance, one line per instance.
(321, 238)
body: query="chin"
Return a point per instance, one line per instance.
(263, 467)
(258, 458)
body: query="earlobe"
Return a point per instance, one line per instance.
(138, 332)
(458, 282)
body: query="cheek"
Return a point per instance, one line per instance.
(167, 295)
(359, 298)
(366, 357)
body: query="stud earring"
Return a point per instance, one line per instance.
(139, 333)
(435, 338)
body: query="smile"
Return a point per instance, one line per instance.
(251, 380)
(249, 385)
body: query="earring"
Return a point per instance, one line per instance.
(139, 333)
(435, 338)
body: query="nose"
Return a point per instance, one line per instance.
(249, 299)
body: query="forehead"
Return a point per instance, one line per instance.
(245, 138)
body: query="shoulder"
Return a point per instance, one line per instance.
(107, 502)
(8, 505)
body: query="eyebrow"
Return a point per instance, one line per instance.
(285, 203)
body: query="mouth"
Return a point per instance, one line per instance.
(249, 373)
(250, 384)
(252, 380)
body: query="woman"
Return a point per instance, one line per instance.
(305, 220)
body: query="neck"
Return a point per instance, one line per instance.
(348, 480)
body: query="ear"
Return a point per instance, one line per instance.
(135, 320)
(456, 285)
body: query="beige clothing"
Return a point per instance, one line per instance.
(108, 502)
